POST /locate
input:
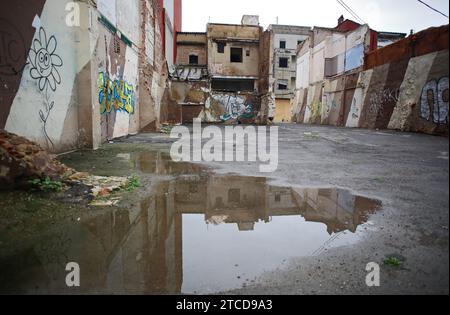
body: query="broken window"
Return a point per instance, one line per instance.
(234, 196)
(193, 59)
(282, 44)
(236, 55)
(284, 62)
(237, 85)
(221, 48)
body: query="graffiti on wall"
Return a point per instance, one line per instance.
(379, 99)
(115, 95)
(236, 107)
(44, 69)
(434, 101)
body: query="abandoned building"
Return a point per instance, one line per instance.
(284, 41)
(77, 74)
(217, 75)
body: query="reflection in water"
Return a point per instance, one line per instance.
(196, 233)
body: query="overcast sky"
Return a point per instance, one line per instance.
(381, 15)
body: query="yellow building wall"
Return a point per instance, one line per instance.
(283, 111)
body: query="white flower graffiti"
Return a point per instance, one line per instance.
(44, 61)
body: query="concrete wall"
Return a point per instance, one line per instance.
(191, 44)
(409, 94)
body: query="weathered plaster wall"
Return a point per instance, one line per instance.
(235, 36)
(198, 101)
(68, 83)
(44, 105)
(408, 94)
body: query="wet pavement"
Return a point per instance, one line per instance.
(196, 228)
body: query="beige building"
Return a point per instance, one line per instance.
(191, 49)
(233, 55)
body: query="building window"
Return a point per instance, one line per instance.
(282, 44)
(229, 85)
(236, 55)
(277, 198)
(221, 48)
(299, 42)
(193, 60)
(284, 62)
(247, 53)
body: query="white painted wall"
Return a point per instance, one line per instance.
(303, 71)
(24, 118)
(317, 71)
(335, 45)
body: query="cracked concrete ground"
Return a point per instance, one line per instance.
(408, 172)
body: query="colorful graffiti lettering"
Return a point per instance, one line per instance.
(434, 101)
(115, 95)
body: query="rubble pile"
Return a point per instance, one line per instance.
(22, 160)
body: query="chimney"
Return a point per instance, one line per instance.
(250, 20)
(340, 20)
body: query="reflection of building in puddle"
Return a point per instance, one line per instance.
(246, 201)
(141, 250)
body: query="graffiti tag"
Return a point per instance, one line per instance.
(44, 69)
(434, 101)
(379, 99)
(115, 95)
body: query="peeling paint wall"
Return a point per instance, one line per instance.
(74, 75)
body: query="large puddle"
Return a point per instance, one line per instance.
(193, 233)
